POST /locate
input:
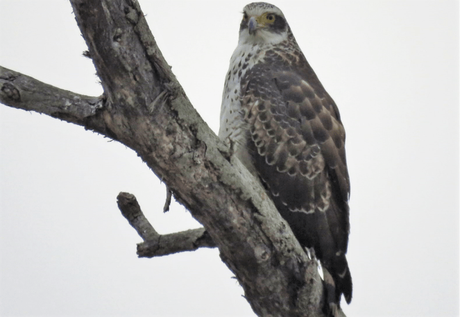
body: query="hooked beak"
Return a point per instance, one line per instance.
(252, 25)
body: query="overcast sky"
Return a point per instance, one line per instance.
(392, 68)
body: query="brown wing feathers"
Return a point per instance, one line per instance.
(298, 141)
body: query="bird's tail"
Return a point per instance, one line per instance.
(337, 278)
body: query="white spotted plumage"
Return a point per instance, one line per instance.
(232, 126)
(279, 121)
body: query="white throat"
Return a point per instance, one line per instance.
(261, 37)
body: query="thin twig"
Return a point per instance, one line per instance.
(168, 199)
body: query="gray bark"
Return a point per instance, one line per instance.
(146, 109)
(156, 244)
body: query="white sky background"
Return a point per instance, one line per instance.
(392, 68)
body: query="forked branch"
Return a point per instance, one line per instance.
(145, 109)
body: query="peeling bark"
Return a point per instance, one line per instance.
(146, 109)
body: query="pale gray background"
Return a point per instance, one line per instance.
(392, 68)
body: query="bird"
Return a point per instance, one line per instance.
(279, 121)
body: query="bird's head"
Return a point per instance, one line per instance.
(263, 23)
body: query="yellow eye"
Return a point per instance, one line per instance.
(266, 19)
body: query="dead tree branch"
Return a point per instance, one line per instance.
(23, 92)
(145, 108)
(155, 244)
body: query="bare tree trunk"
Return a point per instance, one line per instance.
(146, 109)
